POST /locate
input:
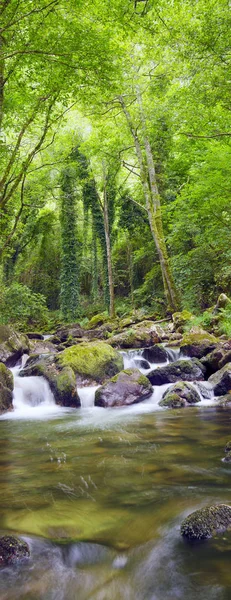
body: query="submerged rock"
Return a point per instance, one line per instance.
(221, 380)
(183, 370)
(95, 361)
(179, 395)
(12, 550)
(198, 344)
(155, 354)
(127, 387)
(207, 522)
(6, 389)
(62, 380)
(12, 345)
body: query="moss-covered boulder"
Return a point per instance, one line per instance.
(179, 395)
(222, 302)
(12, 345)
(141, 335)
(221, 380)
(183, 370)
(198, 344)
(6, 389)
(95, 361)
(97, 320)
(62, 380)
(155, 354)
(207, 522)
(181, 318)
(125, 388)
(12, 550)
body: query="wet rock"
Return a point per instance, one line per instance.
(221, 380)
(183, 370)
(224, 401)
(227, 457)
(155, 354)
(227, 447)
(141, 363)
(197, 344)
(142, 335)
(62, 380)
(212, 361)
(12, 345)
(179, 395)
(43, 347)
(12, 550)
(127, 387)
(35, 336)
(6, 389)
(95, 361)
(207, 522)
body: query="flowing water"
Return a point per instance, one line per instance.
(99, 494)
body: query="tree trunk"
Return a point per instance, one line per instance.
(1, 81)
(152, 200)
(108, 247)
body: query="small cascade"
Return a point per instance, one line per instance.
(87, 395)
(129, 357)
(31, 391)
(173, 354)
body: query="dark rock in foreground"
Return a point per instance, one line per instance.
(207, 522)
(221, 380)
(12, 345)
(128, 387)
(12, 550)
(183, 370)
(179, 395)
(6, 389)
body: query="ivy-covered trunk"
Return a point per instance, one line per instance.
(109, 261)
(69, 295)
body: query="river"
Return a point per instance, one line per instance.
(99, 495)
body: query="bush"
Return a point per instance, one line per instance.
(20, 306)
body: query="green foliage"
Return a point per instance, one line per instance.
(225, 321)
(20, 306)
(205, 321)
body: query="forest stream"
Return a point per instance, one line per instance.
(99, 495)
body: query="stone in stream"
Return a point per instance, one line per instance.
(128, 387)
(224, 401)
(62, 380)
(155, 354)
(141, 363)
(179, 395)
(12, 550)
(227, 447)
(6, 389)
(221, 380)
(197, 344)
(227, 457)
(12, 345)
(183, 370)
(91, 361)
(207, 522)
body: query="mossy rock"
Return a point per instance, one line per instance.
(181, 318)
(221, 380)
(142, 335)
(179, 395)
(12, 550)
(94, 361)
(183, 370)
(207, 522)
(12, 345)
(97, 320)
(6, 389)
(126, 388)
(62, 380)
(198, 344)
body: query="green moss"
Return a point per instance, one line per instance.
(144, 381)
(6, 377)
(95, 360)
(198, 338)
(172, 400)
(97, 320)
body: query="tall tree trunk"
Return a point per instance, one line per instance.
(152, 200)
(1, 80)
(108, 247)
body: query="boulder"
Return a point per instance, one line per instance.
(207, 522)
(183, 370)
(142, 335)
(180, 394)
(197, 344)
(71, 331)
(12, 345)
(212, 360)
(125, 388)
(227, 457)
(205, 390)
(224, 401)
(155, 354)
(227, 447)
(43, 347)
(62, 380)
(221, 380)
(141, 363)
(6, 389)
(93, 361)
(181, 318)
(97, 320)
(12, 550)
(226, 358)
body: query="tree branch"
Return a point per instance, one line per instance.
(31, 12)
